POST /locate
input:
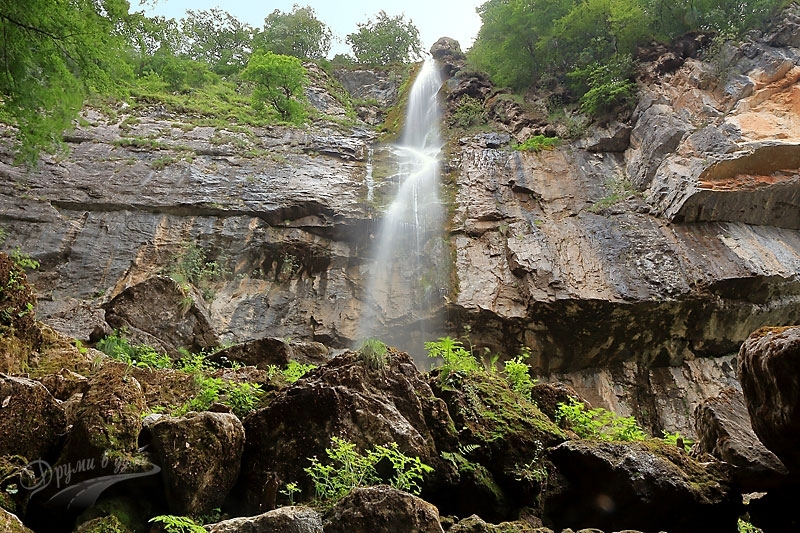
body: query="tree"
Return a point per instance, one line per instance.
(54, 53)
(299, 34)
(217, 38)
(386, 40)
(278, 81)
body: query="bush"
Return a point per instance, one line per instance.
(141, 355)
(598, 423)
(455, 357)
(605, 86)
(295, 371)
(518, 375)
(373, 353)
(537, 143)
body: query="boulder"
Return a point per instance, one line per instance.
(200, 455)
(64, 383)
(503, 435)
(161, 313)
(18, 331)
(769, 370)
(282, 520)
(262, 353)
(638, 485)
(382, 509)
(108, 417)
(32, 422)
(724, 431)
(347, 399)
(447, 53)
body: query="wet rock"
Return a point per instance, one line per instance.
(162, 314)
(32, 422)
(723, 430)
(615, 486)
(346, 399)
(382, 509)
(547, 396)
(102, 524)
(200, 455)
(262, 353)
(281, 520)
(768, 370)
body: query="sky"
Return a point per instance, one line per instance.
(433, 18)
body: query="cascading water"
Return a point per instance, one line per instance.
(407, 279)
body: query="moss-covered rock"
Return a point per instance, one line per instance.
(105, 524)
(31, 420)
(10, 523)
(646, 485)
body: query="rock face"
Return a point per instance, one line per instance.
(768, 369)
(652, 247)
(724, 430)
(200, 456)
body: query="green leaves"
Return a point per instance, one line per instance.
(54, 53)
(385, 40)
(299, 34)
(598, 423)
(277, 81)
(349, 469)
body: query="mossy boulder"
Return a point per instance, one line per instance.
(503, 433)
(19, 335)
(10, 523)
(644, 485)
(31, 421)
(382, 508)
(200, 455)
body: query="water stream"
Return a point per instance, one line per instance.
(404, 294)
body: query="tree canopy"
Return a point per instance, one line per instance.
(299, 34)
(386, 40)
(522, 41)
(54, 52)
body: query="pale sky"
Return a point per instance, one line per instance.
(433, 18)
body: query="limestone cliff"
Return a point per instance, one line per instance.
(633, 270)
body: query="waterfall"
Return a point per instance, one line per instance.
(407, 278)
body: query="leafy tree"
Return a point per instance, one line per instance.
(55, 52)
(386, 40)
(299, 34)
(278, 81)
(149, 37)
(217, 38)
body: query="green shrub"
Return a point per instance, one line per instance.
(598, 423)
(468, 113)
(605, 85)
(518, 375)
(675, 438)
(141, 355)
(537, 143)
(242, 397)
(349, 469)
(454, 356)
(295, 371)
(373, 353)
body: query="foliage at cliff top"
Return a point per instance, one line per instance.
(522, 42)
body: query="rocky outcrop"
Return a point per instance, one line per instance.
(724, 431)
(382, 508)
(200, 455)
(345, 399)
(614, 486)
(163, 314)
(768, 371)
(262, 353)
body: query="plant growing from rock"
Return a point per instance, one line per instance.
(295, 370)
(537, 143)
(456, 358)
(598, 423)
(519, 376)
(373, 353)
(141, 355)
(177, 524)
(349, 469)
(678, 440)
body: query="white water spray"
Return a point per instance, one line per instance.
(404, 292)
